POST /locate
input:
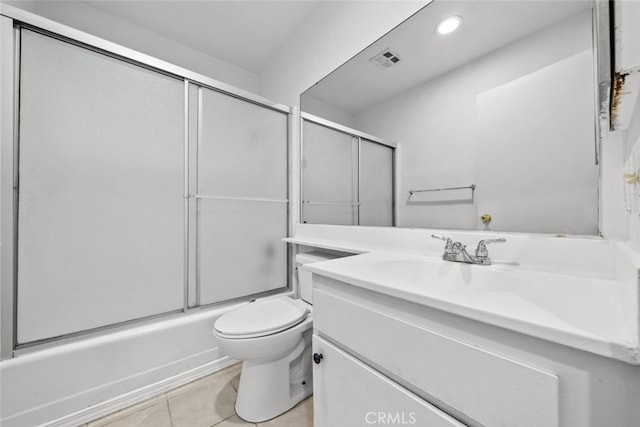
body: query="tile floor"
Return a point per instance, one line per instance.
(204, 403)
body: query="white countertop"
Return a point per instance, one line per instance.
(349, 247)
(598, 315)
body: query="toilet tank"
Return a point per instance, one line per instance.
(304, 277)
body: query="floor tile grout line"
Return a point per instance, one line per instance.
(166, 399)
(221, 421)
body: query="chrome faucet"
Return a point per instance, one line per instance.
(457, 252)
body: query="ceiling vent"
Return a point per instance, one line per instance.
(385, 59)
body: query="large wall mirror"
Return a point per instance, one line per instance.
(494, 125)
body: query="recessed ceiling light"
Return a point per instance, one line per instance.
(449, 25)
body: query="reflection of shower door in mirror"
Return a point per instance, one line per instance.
(346, 179)
(376, 184)
(329, 176)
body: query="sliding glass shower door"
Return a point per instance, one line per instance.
(138, 193)
(100, 202)
(241, 198)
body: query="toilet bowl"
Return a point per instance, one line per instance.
(272, 338)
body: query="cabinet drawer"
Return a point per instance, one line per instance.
(477, 386)
(348, 393)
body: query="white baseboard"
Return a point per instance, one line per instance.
(140, 395)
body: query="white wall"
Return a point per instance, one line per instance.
(622, 151)
(614, 216)
(436, 125)
(83, 17)
(331, 36)
(536, 168)
(326, 111)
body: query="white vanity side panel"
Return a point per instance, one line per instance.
(348, 393)
(482, 386)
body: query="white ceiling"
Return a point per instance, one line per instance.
(487, 26)
(244, 33)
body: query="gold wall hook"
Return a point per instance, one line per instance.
(486, 218)
(632, 178)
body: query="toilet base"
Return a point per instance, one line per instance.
(270, 388)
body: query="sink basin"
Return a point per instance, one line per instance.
(452, 276)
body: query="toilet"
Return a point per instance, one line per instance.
(272, 337)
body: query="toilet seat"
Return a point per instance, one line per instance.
(261, 318)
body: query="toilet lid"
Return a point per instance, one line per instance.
(262, 317)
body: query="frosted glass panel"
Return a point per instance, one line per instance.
(101, 184)
(376, 184)
(330, 214)
(329, 172)
(242, 153)
(242, 150)
(240, 251)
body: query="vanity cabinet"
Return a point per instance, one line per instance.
(383, 356)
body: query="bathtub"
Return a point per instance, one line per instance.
(72, 382)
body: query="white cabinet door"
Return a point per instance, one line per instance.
(348, 393)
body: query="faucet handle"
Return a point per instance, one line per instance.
(449, 244)
(481, 250)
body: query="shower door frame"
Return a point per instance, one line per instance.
(11, 20)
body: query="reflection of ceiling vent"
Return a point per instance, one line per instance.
(385, 59)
